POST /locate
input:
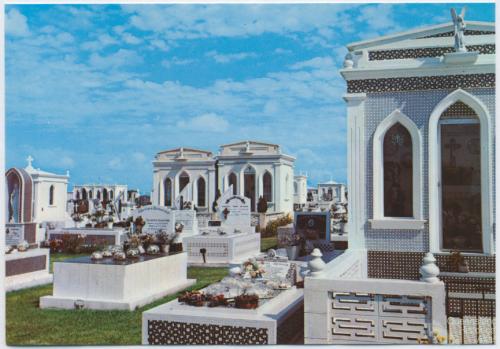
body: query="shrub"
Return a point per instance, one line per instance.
(272, 226)
(71, 243)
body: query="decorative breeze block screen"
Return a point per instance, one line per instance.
(367, 317)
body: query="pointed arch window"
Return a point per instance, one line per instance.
(397, 174)
(84, 194)
(167, 187)
(51, 195)
(267, 182)
(90, 194)
(232, 181)
(201, 202)
(111, 194)
(183, 181)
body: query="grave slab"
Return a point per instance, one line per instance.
(27, 269)
(107, 284)
(278, 321)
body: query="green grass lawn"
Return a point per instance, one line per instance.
(267, 243)
(29, 325)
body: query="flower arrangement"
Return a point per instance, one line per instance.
(290, 240)
(179, 227)
(246, 301)
(435, 339)
(252, 269)
(164, 238)
(458, 262)
(196, 298)
(217, 300)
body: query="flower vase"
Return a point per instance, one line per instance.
(165, 248)
(292, 252)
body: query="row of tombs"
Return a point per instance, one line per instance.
(420, 262)
(284, 296)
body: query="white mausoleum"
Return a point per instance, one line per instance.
(35, 197)
(253, 169)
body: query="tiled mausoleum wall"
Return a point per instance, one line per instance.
(418, 106)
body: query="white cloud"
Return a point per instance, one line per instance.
(315, 63)
(122, 57)
(131, 39)
(210, 122)
(230, 57)
(159, 44)
(168, 63)
(102, 41)
(16, 24)
(200, 21)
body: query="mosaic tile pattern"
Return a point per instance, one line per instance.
(421, 83)
(406, 265)
(458, 110)
(382, 55)
(417, 105)
(466, 32)
(181, 333)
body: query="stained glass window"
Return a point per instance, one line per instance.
(398, 172)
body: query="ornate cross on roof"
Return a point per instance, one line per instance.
(30, 160)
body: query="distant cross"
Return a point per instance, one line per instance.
(225, 213)
(30, 160)
(452, 146)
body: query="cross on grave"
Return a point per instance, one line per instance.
(452, 146)
(226, 213)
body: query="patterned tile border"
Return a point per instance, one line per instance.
(425, 52)
(173, 332)
(406, 265)
(421, 83)
(467, 32)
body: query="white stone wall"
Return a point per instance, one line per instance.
(300, 190)
(43, 211)
(173, 170)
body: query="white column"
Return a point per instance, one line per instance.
(356, 148)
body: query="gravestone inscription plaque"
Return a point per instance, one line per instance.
(156, 218)
(14, 234)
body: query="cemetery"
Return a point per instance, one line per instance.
(404, 255)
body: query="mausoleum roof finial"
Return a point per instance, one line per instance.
(30, 161)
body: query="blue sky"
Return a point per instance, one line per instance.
(99, 90)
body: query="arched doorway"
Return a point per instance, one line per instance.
(201, 202)
(460, 189)
(460, 154)
(249, 180)
(232, 180)
(183, 181)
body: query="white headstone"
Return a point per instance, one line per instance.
(234, 210)
(188, 219)
(276, 270)
(14, 234)
(156, 218)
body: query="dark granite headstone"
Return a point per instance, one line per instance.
(313, 225)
